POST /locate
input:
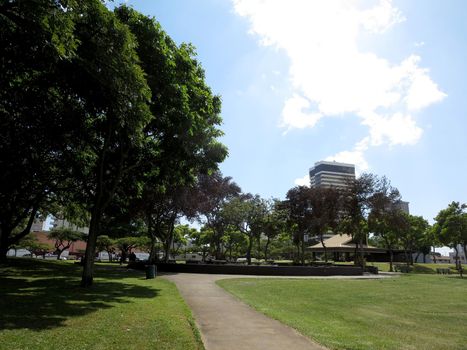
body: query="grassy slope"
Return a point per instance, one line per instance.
(42, 307)
(410, 312)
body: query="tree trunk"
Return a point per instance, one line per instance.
(166, 252)
(248, 253)
(266, 249)
(303, 251)
(152, 253)
(416, 257)
(123, 255)
(88, 268)
(6, 240)
(424, 258)
(407, 258)
(464, 245)
(259, 246)
(355, 252)
(362, 254)
(456, 257)
(4, 234)
(321, 239)
(110, 256)
(59, 254)
(391, 260)
(218, 250)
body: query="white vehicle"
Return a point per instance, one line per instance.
(142, 256)
(189, 257)
(245, 260)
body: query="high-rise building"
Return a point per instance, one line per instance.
(327, 174)
(38, 225)
(404, 206)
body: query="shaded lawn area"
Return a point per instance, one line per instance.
(43, 307)
(410, 312)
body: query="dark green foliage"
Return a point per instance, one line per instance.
(213, 191)
(247, 214)
(36, 109)
(96, 107)
(450, 228)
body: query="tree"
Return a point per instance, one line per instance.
(416, 229)
(112, 84)
(79, 101)
(299, 216)
(386, 220)
(162, 208)
(247, 213)
(314, 211)
(105, 243)
(213, 192)
(424, 244)
(31, 243)
(325, 205)
(450, 228)
(201, 239)
(181, 142)
(64, 238)
(234, 242)
(275, 222)
(355, 210)
(181, 235)
(37, 110)
(127, 244)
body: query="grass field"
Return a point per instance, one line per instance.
(42, 307)
(409, 312)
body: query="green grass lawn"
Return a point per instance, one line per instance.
(409, 312)
(43, 307)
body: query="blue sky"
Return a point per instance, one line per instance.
(377, 83)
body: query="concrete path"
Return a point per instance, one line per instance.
(227, 323)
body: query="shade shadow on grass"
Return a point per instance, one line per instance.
(36, 295)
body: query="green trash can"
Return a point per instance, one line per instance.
(150, 271)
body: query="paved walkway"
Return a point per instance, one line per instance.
(226, 323)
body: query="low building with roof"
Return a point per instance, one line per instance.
(343, 248)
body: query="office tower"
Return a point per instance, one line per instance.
(327, 174)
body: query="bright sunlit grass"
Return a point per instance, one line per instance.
(409, 312)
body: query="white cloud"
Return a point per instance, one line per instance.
(293, 115)
(396, 129)
(331, 76)
(355, 156)
(303, 181)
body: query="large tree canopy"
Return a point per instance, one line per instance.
(92, 100)
(36, 109)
